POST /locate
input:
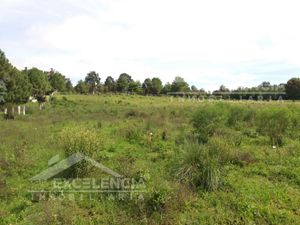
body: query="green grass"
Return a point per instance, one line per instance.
(256, 183)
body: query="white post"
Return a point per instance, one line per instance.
(24, 110)
(5, 111)
(19, 110)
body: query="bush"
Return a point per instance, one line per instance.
(240, 114)
(156, 200)
(222, 150)
(207, 120)
(79, 139)
(274, 123)
(199, 167)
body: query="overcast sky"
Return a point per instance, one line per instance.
(208, 42)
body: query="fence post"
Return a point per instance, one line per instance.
(24, 110)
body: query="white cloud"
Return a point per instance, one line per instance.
(114, 36)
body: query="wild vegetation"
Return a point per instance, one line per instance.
(203, 162)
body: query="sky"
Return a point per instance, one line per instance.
(207, 42)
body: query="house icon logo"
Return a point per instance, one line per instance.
(58, 167)
(115, 185)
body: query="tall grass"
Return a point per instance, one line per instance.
(199, 167)
(80, 139)
(274, 122)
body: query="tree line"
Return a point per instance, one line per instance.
(125, 84)
(179, 87)
(17, 86)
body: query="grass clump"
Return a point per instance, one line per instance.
(274, 122)
(199, 167)
(207, 120)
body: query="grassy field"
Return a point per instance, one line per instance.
(207, 162)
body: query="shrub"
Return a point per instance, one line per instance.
(152, 205)
(199, 167)
(274, 123)
(221, 149)
(239, 114)
(207, 120)
(79, 139)
(156, 200)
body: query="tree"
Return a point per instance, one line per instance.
(223, 88)
(15, 85)
(110, 84)
(3, 90)
(292, 88)
(166, 89)
(194, 88)
(93, 81)
(123, 82)
(147, 86)
(69, 86)
(19, 87)
(40, 84)
(82, 87)
(179, 85)
(135, 87)
(156, 86)
(57, 81)
(5, 68)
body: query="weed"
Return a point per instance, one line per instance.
(79, 139)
